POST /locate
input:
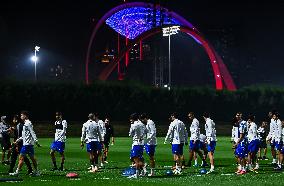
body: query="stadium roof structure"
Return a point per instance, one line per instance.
(138, 20)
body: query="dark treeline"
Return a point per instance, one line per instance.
(119, 100)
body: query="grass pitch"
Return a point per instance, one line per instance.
(77, 161)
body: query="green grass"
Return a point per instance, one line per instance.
(77, 161)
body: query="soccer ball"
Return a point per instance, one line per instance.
(203, 171)
(169, 172)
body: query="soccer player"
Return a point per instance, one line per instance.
(241, 145)
(109, 135)
(151, 141)
(103, 132)
(271, 138)
(253, 145)
(261, 132)
(58, 144)
(210, 139)
(137, 132)
(203, 147)
(177, 135)
(29, 139)
(5, 140)
(17, 145)
(277, 136)
(281, 155)
(194, 139)
(91, 135)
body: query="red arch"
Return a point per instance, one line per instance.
(220, 71)
(216, 70)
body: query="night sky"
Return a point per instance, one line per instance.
(63, 30)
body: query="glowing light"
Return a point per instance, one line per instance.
(34, 59)
(131, 22)
(170, 30)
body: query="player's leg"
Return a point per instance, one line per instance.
(53, 147)
(195, 159)
(62, 161)
(61, 152)
(211, 150)
(14, 157)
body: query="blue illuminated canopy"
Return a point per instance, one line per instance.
(131, 22)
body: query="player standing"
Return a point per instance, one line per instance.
(109, 135)
(261, 132)
(210, 139)
(194, 139)
(103, 132)
(253, 144)
(151, 141)
(17, 145)
(29, 139)
(137, 132)
(241, 145)
(177, 135)
(91, 135)
(59, 141)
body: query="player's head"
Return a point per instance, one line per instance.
(173, 116)
(96, 116)
(24, 115)
(239, 116)
(91, 116)
(251, 118)
(206, 115)
(143, 118)
(58, 115)
(3, 119)
(107, 120)
(190, 115)
(133, 117)
(16, 119)
(276, 116)
(263, 123)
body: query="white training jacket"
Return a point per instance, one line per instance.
(252, 131)
(91, 132)
(60, 131)
(210, 130)
(137, 132)
(177, 132)
(28, 134)
(194, 130)
(151, 138)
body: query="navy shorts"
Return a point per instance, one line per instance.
(211, 146)
(253, 146)
(137, 151)
(194, 145)
(150, 149)
(94, 146)
(58, 146)
(177, 149)
(27, 150)
(241, 150)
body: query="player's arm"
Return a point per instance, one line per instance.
(83, 136)
(152, 131)
(101, 139)
(30, 128)
(169, 134)
(185, 135)
(131, 131)
(112, 135)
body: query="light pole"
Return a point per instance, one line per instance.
(35, 59)
(167, 32)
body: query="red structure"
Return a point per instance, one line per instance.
(223, 79)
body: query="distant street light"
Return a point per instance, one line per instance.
(167, 32)
(35, 59)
